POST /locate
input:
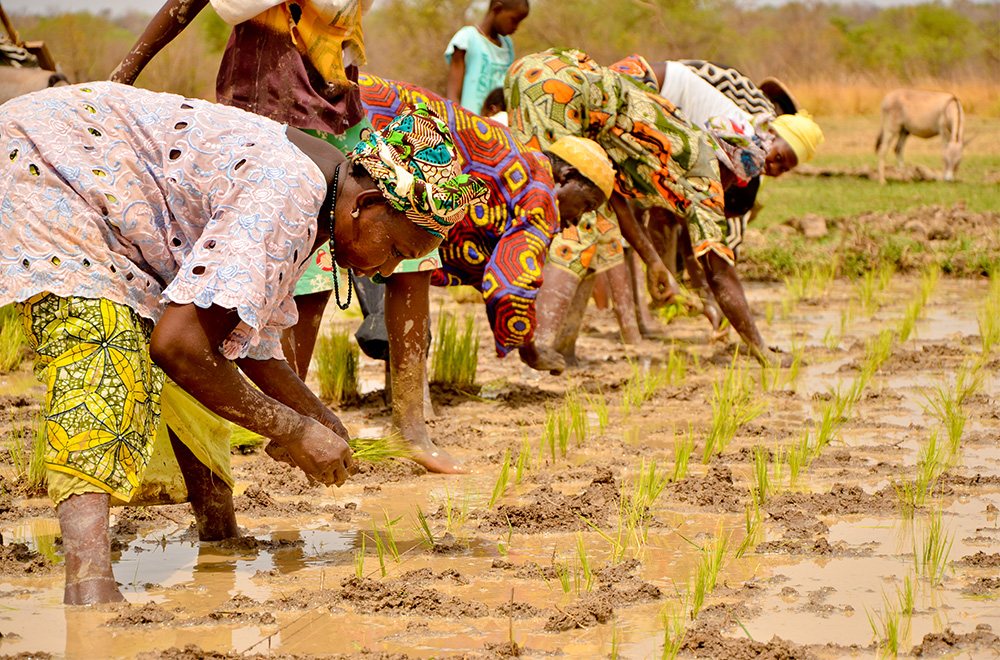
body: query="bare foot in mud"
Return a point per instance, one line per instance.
(542, 358)
(430, 456)
(90, 591)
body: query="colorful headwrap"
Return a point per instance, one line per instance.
(588, 158)
(414, 162)
(800, 132)
(742, 146)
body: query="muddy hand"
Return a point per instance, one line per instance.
(542, 358)
(661, 284)
(321, 454)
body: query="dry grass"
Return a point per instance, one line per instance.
(864, 96)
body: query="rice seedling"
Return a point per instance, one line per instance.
(26, 451)
(377, 450)
(906, 596)
(928, 280)
(359, 558)
(600, 407)
(676, 370)
(710, 558)
(379, 547)
(798, 457)
(455, 512)
(866, 289)
(683, 446)
(733, 405)
(989, 316)
(423, 527)
(910, 496)
(648, 485)
(768, 313)
(584, 558)
(946, 405)
(890, 627)
(503, 542)
(12, 339)
(932, 461)
(885, 274)
(761, 478)
(908, 323)
(674, 630)
(931, 549)
(523, 464)
(821, 276)
(578, 422)
(753, 520)
(337, 366)
(832, 338)
(456, 355)
(500, 487)
(555, 432)
(776, 377)
(877, 352)
(390, 536)
(641, 387)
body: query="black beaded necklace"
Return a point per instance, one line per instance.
(333, 260)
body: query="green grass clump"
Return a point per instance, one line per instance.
(931, 549)
(733, 405)
(26, 451)
(12, 339)
(456, 353)
(337, 366)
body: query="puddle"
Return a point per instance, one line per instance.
(824, 554)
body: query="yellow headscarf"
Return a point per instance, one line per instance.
(800, 132)
(588, 158)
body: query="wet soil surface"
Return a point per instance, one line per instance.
(586, 551)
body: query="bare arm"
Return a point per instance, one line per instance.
(725, 284)
(456, 76)
(166, 24)
(661, 284)
(184, 343)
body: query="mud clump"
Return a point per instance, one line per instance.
(400, 597)
(149, 614)
(706, 641)
(980, 560)
(983, 587)
(598, 606)
(554, 511)
(257, 502)
(19, 559)
(275, 477)
(948, 643)
(714, 491)
(840, 501)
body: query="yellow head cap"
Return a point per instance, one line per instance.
(801, 133)
(588, 158)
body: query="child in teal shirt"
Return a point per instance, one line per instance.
(479, 55)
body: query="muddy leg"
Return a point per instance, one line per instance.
(625, 310)
(698, 282)
(565, 343)
(663, 234)
(407, 315)
(633, 273)
(299, 341)
(559, 287)
(83, 521)
(602, 292)
(211, 498)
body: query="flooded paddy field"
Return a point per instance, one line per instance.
(661, 500)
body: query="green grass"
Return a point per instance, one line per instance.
(337, 366)
(456, 353)
(12, 339)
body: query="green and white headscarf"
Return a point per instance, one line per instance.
(414, 162)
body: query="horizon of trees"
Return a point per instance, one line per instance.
(797, 42)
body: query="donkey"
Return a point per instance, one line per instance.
(924, 114)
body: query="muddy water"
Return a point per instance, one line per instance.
(826, 553)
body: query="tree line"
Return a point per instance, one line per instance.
(799, 41)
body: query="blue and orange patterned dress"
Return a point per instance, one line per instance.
(500, 245)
